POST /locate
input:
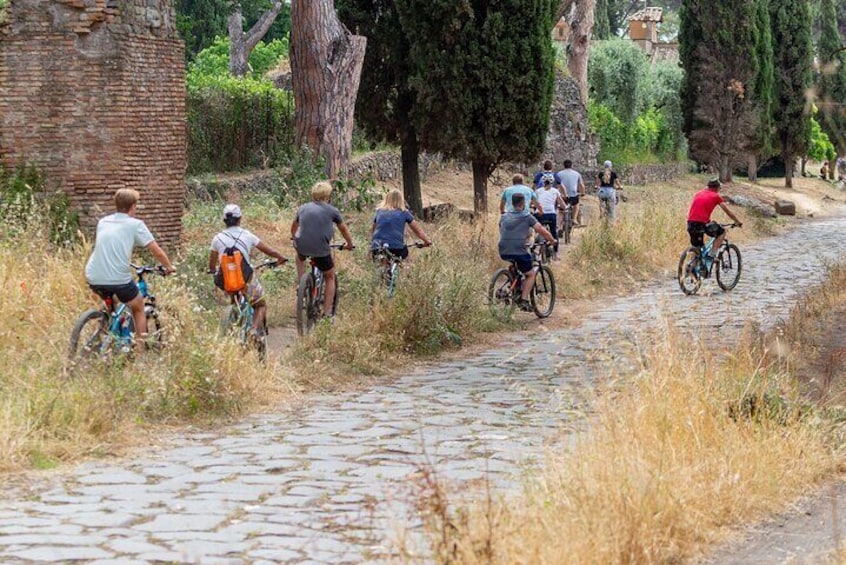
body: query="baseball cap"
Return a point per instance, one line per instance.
(231, 211)
(607, 164)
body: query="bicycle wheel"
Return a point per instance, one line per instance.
(305, 304)
(393, 281)
(260, 337)
(162, 322)
(543, 293)
(728, 267)
(501, 299)
(90, 336)
(567, 225)
(689, 277)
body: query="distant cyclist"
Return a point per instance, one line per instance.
(546, 174)
(506, 202)
(607, 185)
(574, 186)
(514, 228)
(549, 198)
(389, 226)
(699, 221)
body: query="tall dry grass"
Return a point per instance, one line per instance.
(673, 456)
(49, 415)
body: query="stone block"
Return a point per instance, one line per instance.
(785, 208)
(438, 212)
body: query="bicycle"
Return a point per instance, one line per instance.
(542, 251)
(694, 266)
(507, 286)
(238, 317)
(310, 296)
(566, 229)
(109, 331)
(388, 267)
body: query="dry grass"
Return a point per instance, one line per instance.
(674, 455)
(48, 415)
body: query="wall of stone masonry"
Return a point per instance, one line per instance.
(93, 93)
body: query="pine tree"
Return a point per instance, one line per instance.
(832, 78)
(793, 58)
(384, 109)
(482, 74)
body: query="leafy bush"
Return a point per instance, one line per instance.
(213, 61)
(821, 148)
(617, 72)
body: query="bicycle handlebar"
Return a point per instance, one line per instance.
(341, 246)
(144, 269)
(271, 264)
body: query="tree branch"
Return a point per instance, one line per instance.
(563, 8)
(260, 28)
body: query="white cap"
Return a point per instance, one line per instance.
(232, 211)
(607, 164)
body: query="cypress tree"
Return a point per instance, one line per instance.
(793, 58)
(383, 107)
(482, 74)
(762, 93)
(832, 78)
(601, 22)
(690, 37)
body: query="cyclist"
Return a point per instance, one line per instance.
(311, 234)
(108, 271)
(549, 199)
(546, 174)
(514, 228)
(245, 241)
(506, 203)
(389, 226)
(574, 187)
(607, 185)
(699, 217)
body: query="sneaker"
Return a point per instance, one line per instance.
(525, 305)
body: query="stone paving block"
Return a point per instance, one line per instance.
(102, 519)
(134, 546)
(52, 540)
(182, 523)
(57, 528)
(53, 554)
(112, 477)
(274, 556)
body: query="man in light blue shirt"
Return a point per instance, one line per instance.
(506, 204)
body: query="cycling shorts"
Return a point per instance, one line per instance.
(401, 252)
(124, 292)
(523, 261)
(323, 263)
(698, 230)
(571, 200)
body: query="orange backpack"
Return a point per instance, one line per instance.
(235, 271)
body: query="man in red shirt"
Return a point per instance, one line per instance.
(699, 217)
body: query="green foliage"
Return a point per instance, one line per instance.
(791, 28)
(832, 76)
(763, 90)
(213, 61)
(617, 73)
(298, 171)
(26, 203)
(483, 76)
(820, 148)
(201, 21)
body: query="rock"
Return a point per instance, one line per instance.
(785, 208)
(466, 215)
(754, 205)
(438, 212)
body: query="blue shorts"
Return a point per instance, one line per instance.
(523, 260)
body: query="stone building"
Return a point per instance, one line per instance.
(92, 92)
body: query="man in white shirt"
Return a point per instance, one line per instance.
(236, 236)
(108, 270)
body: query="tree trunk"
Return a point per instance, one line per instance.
(481, 172)
(832, 164)
(578, 47)
(725, 169)
(326, 62)
(242, 44)
(411, 172)
(753, 168)
(789, 167)
(804, 168)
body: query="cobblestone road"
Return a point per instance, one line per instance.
(308, 484)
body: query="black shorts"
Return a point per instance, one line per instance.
(698, 230)
(124, 292)
(571, 200)
(401, 252)
(323, 263)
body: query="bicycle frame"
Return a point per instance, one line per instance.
(116, 316)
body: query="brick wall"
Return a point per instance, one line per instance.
(93, 93)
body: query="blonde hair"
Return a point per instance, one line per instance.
(321, 191)
(392, 200)
(125, 199)
(606, 176)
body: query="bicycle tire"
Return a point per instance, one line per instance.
(543, 293)
(501, 299)
(567, 225)
(158, 330)
(688, 274)
(728, 262)
(305, 304)
(261, 341)
(393, 281)
(96, 319)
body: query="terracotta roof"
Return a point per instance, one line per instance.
(648, 15)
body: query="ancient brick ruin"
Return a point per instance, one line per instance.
(93, 93)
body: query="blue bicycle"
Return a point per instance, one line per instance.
(238, 317)
(694, 265)
(109, 331)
